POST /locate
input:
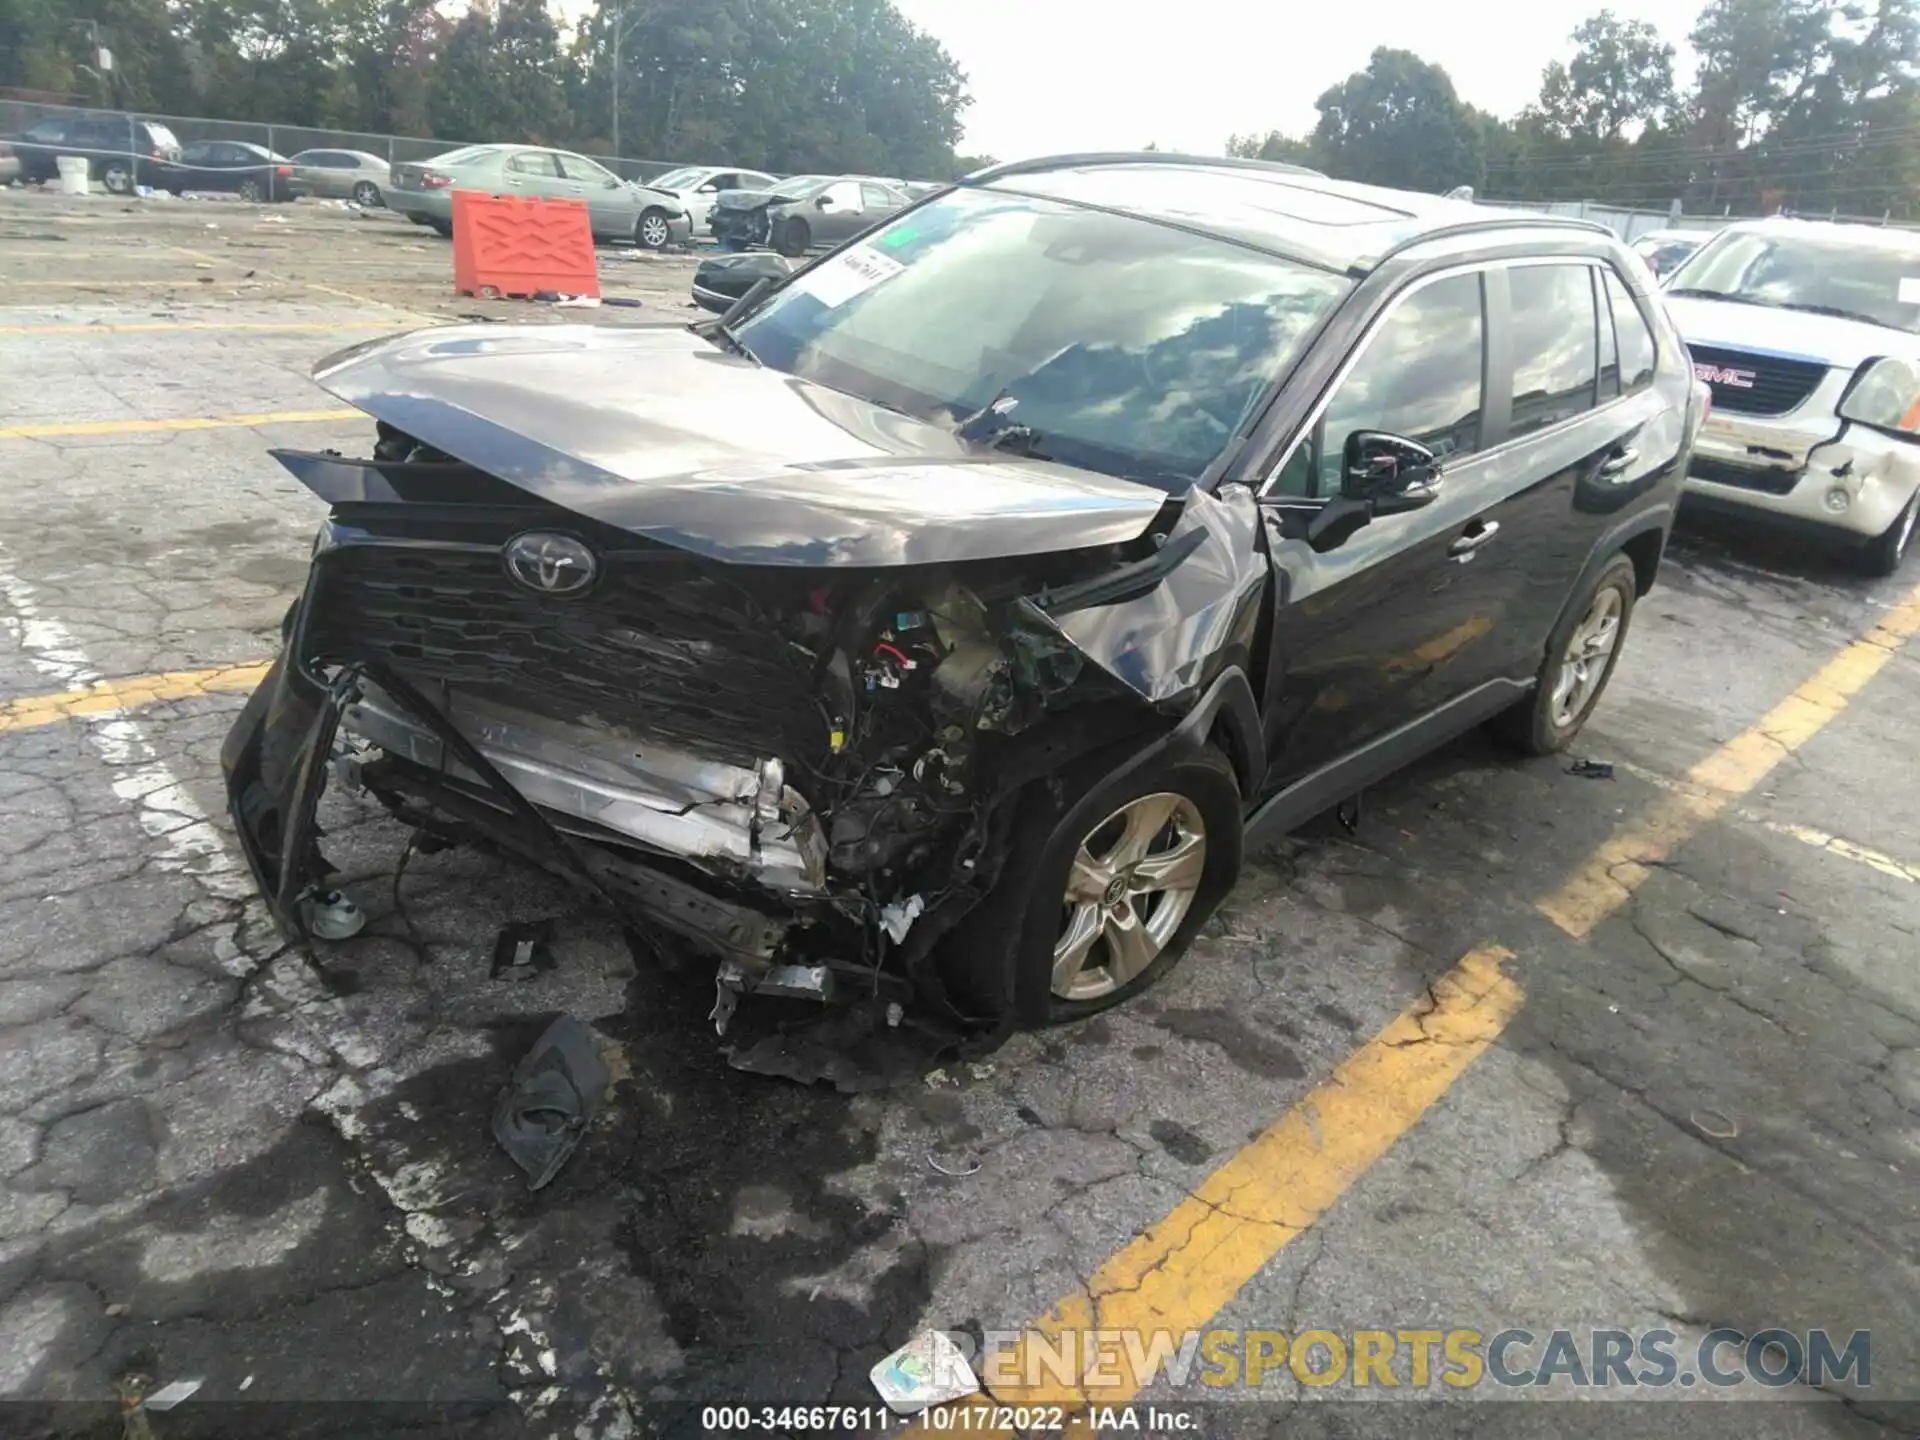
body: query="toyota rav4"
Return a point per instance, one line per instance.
(946, 621)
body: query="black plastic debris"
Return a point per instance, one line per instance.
(523, 948)
(1591, 769)
(555, 1091)
(851, 1048)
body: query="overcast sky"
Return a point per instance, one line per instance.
(1054, 75)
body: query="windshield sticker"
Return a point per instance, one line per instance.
(852, 272)
(1910, 291)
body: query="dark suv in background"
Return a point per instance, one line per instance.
(122, 152)
(944, 622)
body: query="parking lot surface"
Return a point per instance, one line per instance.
(1524, 1049)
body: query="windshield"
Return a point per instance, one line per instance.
(1831, 274)
(1112, 343)
(684, 178)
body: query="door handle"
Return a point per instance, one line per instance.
(1617, 462)
(1463, 546)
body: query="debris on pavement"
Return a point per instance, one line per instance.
(1714, 1125)
(928, 1370)
(854, 1049)
(170, 1395)
(331, 915)
(1591, 769)
(555, 1091)
(972, 1167)
(523, 948)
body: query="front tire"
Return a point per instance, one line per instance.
(1884, 555)
(651, 231)
(1581, 655)
(1111, 875)
(795, 238)
(367, 195)
(117, 176)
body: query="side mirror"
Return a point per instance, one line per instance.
(1390, 474)
(708, 189)
(825, 202)
(1886, 396)
(612, 182)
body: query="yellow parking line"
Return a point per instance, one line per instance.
(1622, 864)
(147, 328)
(1179, 1274)
(185, 422)
(1805, 834)
(111, 696)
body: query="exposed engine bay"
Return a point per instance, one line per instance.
(808, 772)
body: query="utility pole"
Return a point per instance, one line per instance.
(617, 27)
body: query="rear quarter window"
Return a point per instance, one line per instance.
(1632, 338)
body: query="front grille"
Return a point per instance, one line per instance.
(1755, 384)
(1768, 479)
(668, 648)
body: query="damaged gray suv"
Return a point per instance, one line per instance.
(944, 623)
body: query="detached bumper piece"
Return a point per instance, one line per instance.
(276, 760)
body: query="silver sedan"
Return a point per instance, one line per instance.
(357, 175)
(620, 209)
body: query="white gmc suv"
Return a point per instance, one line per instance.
(1808, 335)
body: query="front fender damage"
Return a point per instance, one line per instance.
(846, 838)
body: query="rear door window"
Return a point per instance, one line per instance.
(1555, 361)
(1631, 335)
(535, 162)
(47, 132)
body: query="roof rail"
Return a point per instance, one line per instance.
(1504, 220)
(1043, 163)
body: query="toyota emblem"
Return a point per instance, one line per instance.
(550, 564)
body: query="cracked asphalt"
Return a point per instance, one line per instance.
(1703, 1114)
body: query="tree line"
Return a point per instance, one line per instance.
(1808, 106)
(783, 85)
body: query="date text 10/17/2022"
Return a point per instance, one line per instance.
(959, 1417)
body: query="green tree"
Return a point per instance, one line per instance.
(501, 75)
(1399, 122)
(1620, 78)
(1272, 146)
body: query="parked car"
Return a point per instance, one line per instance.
(231, 167)
(619, 210)
(355, 175)
(797, 215)
(9, 164)
(1663, 250)
(723, 279)
(122, 152)
(1809, 334)
(696, 186)
(947, 628)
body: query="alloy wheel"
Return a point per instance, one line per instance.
(1132, 883)
(250, 191)
(653, 232)
(1584, 664)
(118, 180)
(366, 194)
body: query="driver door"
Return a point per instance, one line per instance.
(843, 215)
(1376, 631)
(614, 208)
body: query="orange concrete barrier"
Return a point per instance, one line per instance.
(504, 245)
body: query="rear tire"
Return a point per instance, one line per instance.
(1042, 947)
(651, 231)
(1581, 654)
(795, 238)
(117, 177)
(442, 228)
(250, 191)
(367, 195)
(1883, 556)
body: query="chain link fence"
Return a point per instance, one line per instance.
(17, 116)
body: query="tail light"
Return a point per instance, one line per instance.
(283, 169)
(156, 154)
(433, 180)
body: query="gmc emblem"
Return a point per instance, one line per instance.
(1722, 375)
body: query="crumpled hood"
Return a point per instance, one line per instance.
(660, 433)
(1789, 334)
